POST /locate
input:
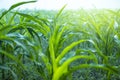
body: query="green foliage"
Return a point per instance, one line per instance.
(33, 47)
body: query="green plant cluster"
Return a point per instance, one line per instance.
(59, 45)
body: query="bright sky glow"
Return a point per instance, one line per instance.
(57, 4)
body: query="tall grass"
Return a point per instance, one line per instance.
(55, 48)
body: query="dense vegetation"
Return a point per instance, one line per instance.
(59, 45)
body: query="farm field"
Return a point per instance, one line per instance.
(59, 45)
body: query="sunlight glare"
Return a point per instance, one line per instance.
(58, 4)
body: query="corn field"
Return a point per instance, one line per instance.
(59, 45)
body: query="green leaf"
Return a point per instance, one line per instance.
(64, 67)
(20, 3)
(44, 26)
(9, 55)
(14, 6)
(58, 14)
(68, 48)
(7, 68)
(112, 69)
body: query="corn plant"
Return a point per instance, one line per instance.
(44, 49)
(12, 44)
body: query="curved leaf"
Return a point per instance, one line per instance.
(14, 6)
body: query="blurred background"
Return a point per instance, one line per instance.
(57, 4)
